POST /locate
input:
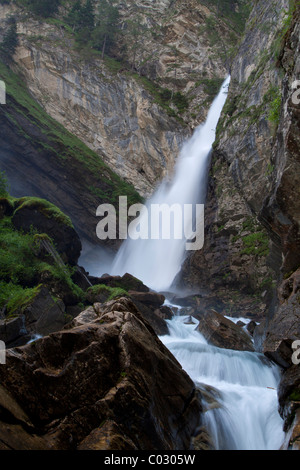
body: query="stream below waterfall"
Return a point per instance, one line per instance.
(240, 387)
(241, 412)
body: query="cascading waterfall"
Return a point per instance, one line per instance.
(244, 414)
(157, 262)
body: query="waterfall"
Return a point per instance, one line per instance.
(157, 262)
(240, 388)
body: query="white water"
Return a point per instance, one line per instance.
(247, 418)
(157, 262)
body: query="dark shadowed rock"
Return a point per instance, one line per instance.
(251, 327)
(148, 298)
(223, 333)
(105, 384)
(41, 316)
(156, 317)
(126, 282)
(289, 406)
(12, 329)
(284, 328)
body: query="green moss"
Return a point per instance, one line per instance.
(63, 274)
(275, 106)
(110, 292)
(295, 395)
(21, 268)
(16, 298)
(17, 260)
(278, 43)
(256, 244)
(249, 225)
(211, 86)
(45, 207)
(160, 96)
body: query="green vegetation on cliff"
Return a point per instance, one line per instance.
(236, 12)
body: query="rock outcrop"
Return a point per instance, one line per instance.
(241, 253)
(284, 328)
(107, 384)
(41, 316)
(223, 333)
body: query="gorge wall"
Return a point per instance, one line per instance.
(248, 228)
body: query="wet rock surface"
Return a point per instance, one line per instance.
(223, 333)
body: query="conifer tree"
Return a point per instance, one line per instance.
(10, 41)
(103, 36)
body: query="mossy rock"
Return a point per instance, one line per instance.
(102, 293)
(126, 282)
(44, 217)
(45, 207)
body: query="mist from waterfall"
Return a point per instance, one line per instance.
(157, 262)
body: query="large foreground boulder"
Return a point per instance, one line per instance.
(105, 382)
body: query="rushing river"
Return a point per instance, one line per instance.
(244, 414)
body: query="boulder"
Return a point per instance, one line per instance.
(40, 316)
(223, 333)
(126, 282)
(44, 315)
(12, 330)
(148, 298)
(156, 317)
(251, 326)
(108, 383)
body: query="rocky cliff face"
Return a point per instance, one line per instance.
(243, 244)
(110, 112)
(185, 46)
(114, 110)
